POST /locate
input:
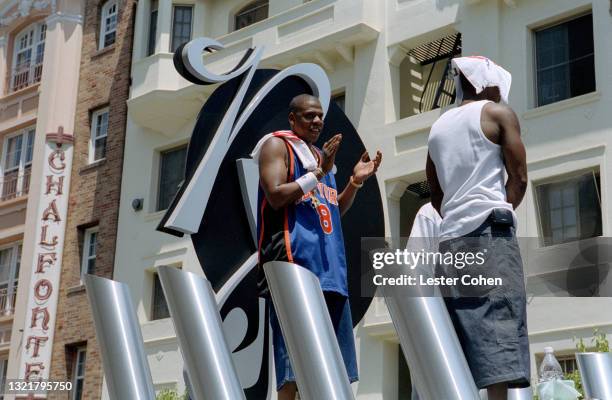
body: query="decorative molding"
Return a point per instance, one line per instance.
(562, 105)
(347, 52)
(61, 17)
(324, 61)
(395, 189)
(396, 54)
(159, 340)
(509, 3)
(59, 137)
(24, 7)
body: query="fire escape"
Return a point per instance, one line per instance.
(430, 54)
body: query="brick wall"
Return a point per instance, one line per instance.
(94, 191)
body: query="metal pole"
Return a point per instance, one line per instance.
(194, 311)
(596, 372)
(118, 333)
(520, 394)
(308, 332)
(430, 345)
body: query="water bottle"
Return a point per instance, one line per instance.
(550, 368)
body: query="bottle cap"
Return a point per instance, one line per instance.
(549, 349)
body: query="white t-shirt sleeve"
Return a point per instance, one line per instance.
(425, 230)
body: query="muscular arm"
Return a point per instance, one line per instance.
(273, 175)
(515, 157)
(434, 186)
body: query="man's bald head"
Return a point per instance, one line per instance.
(299, 102)
(306, 117)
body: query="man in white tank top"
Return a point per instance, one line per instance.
(471, 148)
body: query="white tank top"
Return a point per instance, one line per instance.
(470, 170)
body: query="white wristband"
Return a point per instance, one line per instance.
(307, 182)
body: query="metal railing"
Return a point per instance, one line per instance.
(25, 75)
(14, 184)
(8, 297)
(439, 88)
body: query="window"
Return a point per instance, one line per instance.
(181, 26)
(10, 262)
(3, 368)
(152, 27)
(108, 24)
(252, 13)
(340, 100)
(99, 130)
(90, 244)
(28, 54)
(16, 164)
(565, 60)
(171, 175)
(568, 364)
(570, 209)
(159, 307)
(78, 374)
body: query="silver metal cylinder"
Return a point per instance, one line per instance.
(596, 372)
(513, 394)
(308, 332)
(118, 332)
(520, 393)
(194, 311)
(431, 347)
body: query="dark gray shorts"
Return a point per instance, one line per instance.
(491, 321)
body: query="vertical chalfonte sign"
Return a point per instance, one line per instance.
(44, 284)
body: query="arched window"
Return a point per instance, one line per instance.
(108, 23)
(28, 53)
(254, 12)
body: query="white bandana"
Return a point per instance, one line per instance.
(482, 73)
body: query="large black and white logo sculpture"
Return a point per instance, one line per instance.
(221, 324)
(217, 202)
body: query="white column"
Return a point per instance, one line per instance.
(394, 192)
(4, 68)
(200, 11)
(164, 24)
(56, 107)
(141, 30)
(396, 55)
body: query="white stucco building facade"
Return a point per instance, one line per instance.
(372, 51)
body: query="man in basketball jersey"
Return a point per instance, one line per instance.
(299, 221)
(471, 147)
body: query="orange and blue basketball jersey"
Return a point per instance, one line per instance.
(307, 233)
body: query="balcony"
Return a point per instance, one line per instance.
(8, 296)
(322, 32)
(24, 76)
(19, 105)
(14, 184)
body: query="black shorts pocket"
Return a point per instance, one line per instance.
(506, 316)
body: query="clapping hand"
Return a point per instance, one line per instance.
(330, 149)
(366, 167)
